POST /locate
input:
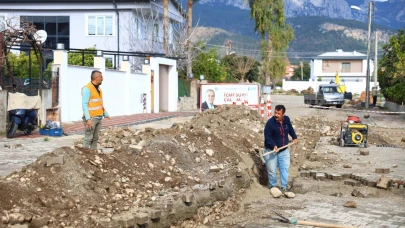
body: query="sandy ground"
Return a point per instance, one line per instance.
(240, 133)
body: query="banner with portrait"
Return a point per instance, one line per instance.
(216, 94)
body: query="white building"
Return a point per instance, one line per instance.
(351, 66)
(132, 26)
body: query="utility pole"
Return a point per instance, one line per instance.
(375, 60)
(302, 72)
(370, 9)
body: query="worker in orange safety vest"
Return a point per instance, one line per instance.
(93, 109)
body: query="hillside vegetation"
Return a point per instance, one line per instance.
(313, 36)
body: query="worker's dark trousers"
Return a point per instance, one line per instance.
(374, 100)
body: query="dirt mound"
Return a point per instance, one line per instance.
(76, 187)
(310, 90)
(211, 158)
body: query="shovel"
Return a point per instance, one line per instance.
(308, 223)
(273, 151)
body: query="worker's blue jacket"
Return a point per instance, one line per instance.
(276, 134)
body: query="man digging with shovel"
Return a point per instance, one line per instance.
(276, 152)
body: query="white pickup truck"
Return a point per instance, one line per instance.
(327, 95)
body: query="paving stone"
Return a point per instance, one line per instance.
(382, 170)
(371, 183)
(313, 173)
(383, 182)
(348, 182)
(141, 218)
(346, 175)
(320, 176)
(305, 174)
(155, 214)
(336, 177)
(357, 193)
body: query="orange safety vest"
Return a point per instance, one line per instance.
(96, 107)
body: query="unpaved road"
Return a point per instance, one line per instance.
(16, 153)
(322, 201)
(318, 201)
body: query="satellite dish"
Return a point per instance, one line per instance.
(41, 36)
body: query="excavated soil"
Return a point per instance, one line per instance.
(76, 187)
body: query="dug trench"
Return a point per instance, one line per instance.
(185, 176)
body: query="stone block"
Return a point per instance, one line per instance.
(348, 182)
(221, 183)
(336, 177)
(370, 183)
(357, 193)
(212, 185)
(214, 168)
(364, 152)
(141, 218)
(320, 176)
(155, 214)
(239, 173)
(382, 170)
(169, 205)
(313, 173)
(188, 198)
(383, 182)
(59, 160)
(304, 174)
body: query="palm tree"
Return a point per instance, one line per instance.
(165, 26)
(270, 24)
(189, 30)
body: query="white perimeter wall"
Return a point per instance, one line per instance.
(122, 90)
(172, 83)
(354, 87)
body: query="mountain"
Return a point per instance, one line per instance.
(390, 13)
(319, 25)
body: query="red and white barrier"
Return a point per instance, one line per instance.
(269, 114)
(262, 108)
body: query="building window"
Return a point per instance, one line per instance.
(345, 67)
(56, 27)
(100, 25)
(170, 33)
(2, 22)
(155, 35)
(139, 29)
